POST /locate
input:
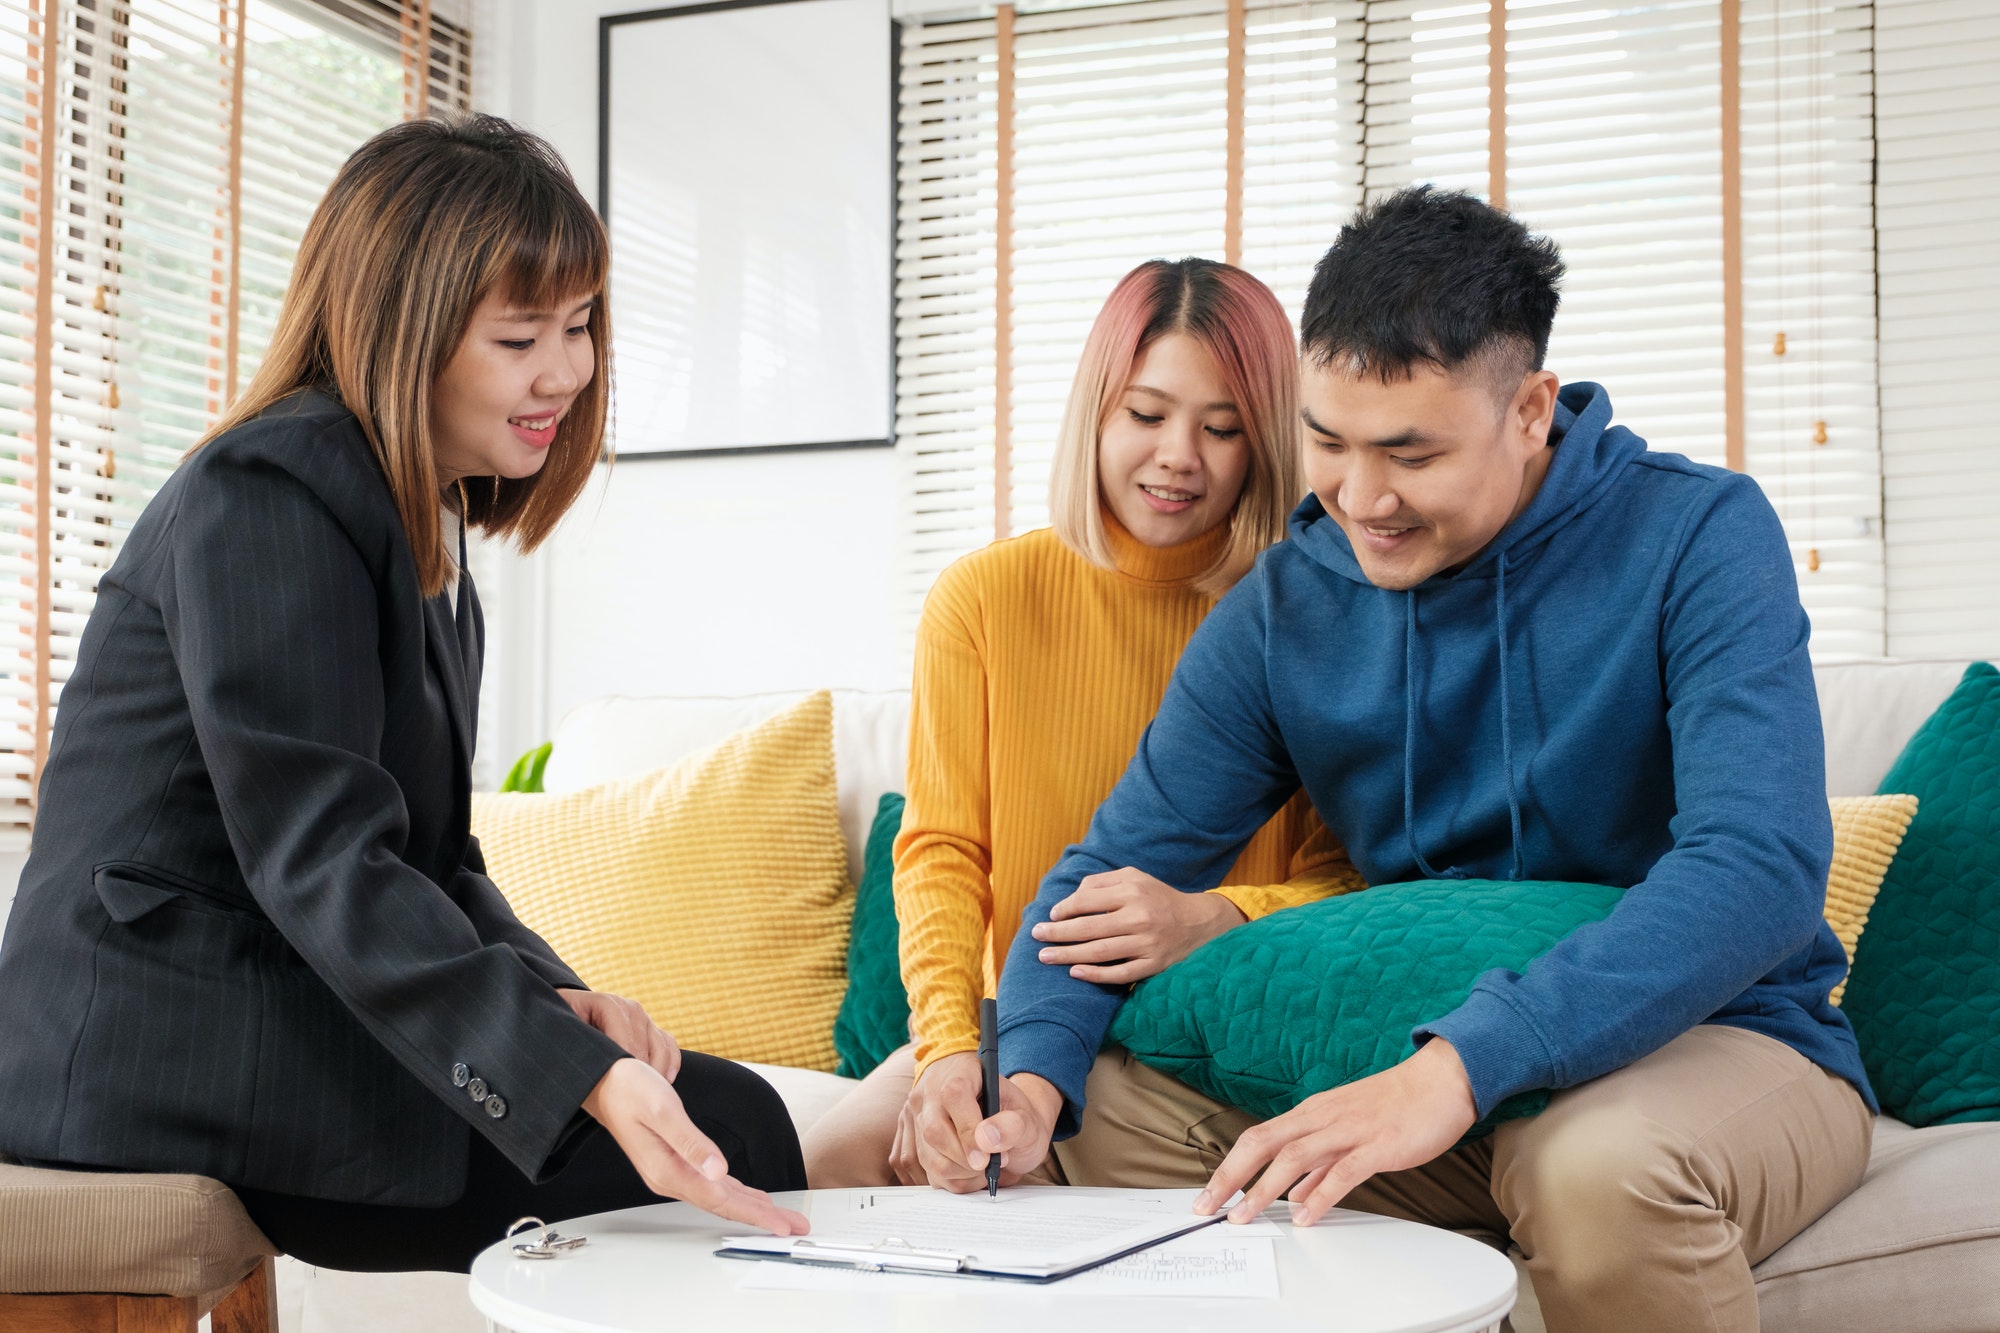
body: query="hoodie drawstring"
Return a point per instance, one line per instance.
(1410, 732)
(1410, 741)
(1506, 732)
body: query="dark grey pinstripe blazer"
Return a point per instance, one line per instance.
(254, 939)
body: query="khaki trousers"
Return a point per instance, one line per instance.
(1640, 1200)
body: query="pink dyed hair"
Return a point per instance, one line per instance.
(1240, 323)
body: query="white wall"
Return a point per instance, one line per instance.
(733, 575)
(689, 576)
(10, 875)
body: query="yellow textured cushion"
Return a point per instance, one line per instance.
(714, 892)
(1867, 830)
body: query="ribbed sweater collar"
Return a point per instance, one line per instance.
(1163, 566)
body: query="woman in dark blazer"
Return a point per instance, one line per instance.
(255, 939)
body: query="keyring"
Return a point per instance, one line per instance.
(551, 1244)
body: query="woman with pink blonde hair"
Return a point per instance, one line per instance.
(1039, 662)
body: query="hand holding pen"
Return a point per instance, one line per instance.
(989, 1082)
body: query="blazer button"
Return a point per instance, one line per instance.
(478, 1089)
(496, 1106)
(459, 1074)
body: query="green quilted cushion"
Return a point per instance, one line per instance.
(1316, 996)
(1924, 996)
(874, 1016)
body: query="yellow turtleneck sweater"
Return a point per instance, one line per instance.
(1036, 672)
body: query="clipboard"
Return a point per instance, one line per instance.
(892, 1255)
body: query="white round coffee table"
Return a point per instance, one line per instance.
(648, 1269)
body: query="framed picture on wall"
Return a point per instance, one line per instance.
(745, 169)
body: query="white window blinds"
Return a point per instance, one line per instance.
(1937, 88)
(1614, 148)
(147, 247)
(1812, 418)
(1427, 96)
(1600, 124)
(1302, 138)
(1118, 157)
(1117, 129)
(947, 120)
(1609, 138)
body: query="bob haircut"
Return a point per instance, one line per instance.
(420, 225)
(1240, 323)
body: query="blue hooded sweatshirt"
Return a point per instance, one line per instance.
(1615, 691)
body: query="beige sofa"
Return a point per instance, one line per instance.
(1915, 1250)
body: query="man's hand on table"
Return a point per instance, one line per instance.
(1318, 1151)
(953, 1143)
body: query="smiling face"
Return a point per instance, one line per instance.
(495, 409)
(1172, 455)
(1423, 472)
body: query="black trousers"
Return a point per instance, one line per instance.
(730, 1104)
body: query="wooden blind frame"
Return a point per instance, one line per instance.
(1732, 234)
(418, 58)
(1496, 103)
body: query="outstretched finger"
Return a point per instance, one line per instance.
(1307, 1184)
(1107, 949)
(1094, 893)
(1251, 1154)
(730, 1198)
(1334, 1184)
(1076, 929)
(1296, 1159)
(1117, 974)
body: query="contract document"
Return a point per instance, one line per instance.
(1215, 1262)
(1025, 1235)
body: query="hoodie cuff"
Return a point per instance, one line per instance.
(1050, 1051)
(1502, 1052)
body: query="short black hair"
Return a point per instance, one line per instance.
(1432, 277)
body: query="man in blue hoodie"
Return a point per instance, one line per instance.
(1505, 641)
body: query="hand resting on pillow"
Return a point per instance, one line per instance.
(1124, 925)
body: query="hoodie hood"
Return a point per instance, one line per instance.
(1590, 453)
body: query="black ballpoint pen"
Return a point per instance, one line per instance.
(989, 1082)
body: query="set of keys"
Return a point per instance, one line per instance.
(551, 1244)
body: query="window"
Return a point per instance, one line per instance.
(1938, 121)
(148, 244)
(1042, 155)
(1125, 142)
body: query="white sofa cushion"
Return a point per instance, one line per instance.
(1916, 1248)
(1870, 709)
(619, 736)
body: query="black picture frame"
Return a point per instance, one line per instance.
(605, 24)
